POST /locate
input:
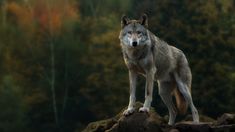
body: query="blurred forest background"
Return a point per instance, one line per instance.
(61, 65)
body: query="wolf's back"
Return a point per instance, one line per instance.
(173, 59)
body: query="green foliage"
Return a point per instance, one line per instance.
(13, 109)
(91, 80)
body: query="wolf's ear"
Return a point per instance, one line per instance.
(144, 20)
(125, 20)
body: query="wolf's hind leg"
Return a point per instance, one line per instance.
(165, 90)
(183, 88)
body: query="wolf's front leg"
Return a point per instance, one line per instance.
(148, 90)
(131, 109)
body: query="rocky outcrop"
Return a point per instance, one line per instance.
(152, 122)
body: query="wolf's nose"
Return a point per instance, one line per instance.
(134, 43)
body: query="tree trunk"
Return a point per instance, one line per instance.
(66, 82)
(52, 50)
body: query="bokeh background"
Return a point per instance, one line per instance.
(61, 64)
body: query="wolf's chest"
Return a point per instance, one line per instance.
(135, 66)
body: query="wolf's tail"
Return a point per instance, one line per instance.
(181, 103)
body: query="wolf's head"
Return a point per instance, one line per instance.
(134, 33)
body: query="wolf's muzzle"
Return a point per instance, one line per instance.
(134, 44)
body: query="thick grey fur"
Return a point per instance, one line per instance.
(145, 54)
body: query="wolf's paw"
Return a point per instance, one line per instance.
(144, 109)
(128, 111)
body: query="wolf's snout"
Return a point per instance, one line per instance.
(134, 43)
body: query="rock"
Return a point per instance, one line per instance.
(136, 122)
(225, 123)
(203, 118)
(192, 127)
(174, 130)
(152, 122)
(100, 126)
(226, 119)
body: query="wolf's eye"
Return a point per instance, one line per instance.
(138, 32)
(129, 32)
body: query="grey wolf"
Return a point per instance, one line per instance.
(146, 54)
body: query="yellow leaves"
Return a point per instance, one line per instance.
(110, 37)
(36, 98)
(9, 64)
(52, 16)
(46, 16)
(209, 9)
(22, 15)
(41, 14)
(226, 5)
(55, 21)
(70, 12)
